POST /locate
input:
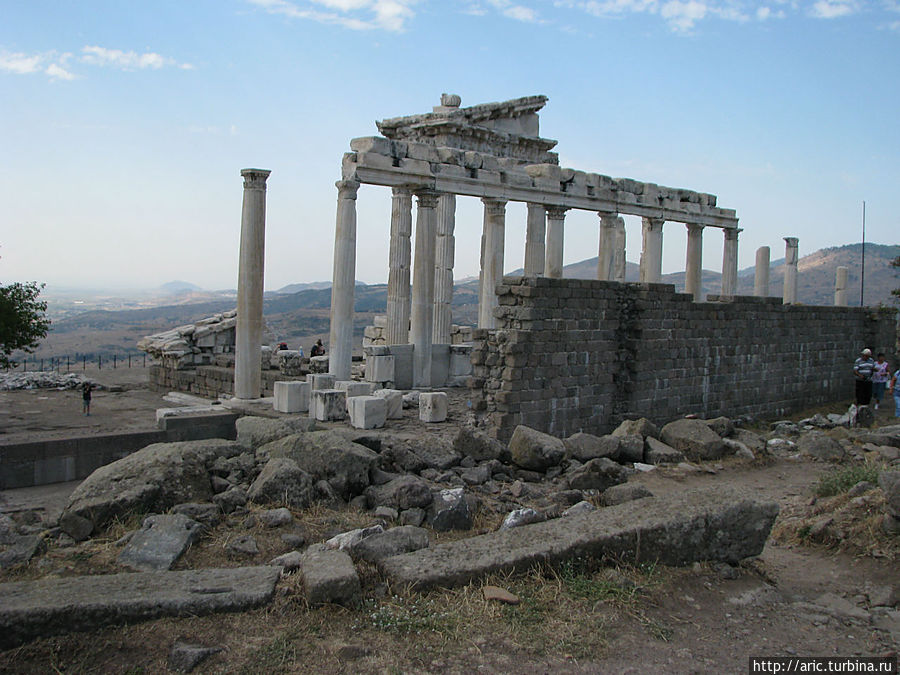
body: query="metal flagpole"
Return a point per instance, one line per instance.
(862, 275)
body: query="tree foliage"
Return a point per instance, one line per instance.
(23, 322)
(896, 263)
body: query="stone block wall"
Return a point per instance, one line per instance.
(210, 381)
(577, 355)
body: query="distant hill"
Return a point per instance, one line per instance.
(179, 287)
(296, 288)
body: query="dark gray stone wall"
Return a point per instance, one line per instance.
(210, 381)
(576, 355)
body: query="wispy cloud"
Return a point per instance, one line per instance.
(51, 64)
(833, 9)
(390, 15)
(116, 58)
(55, 64)
(511, 10)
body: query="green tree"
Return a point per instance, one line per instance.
(22, 320)
(896, 263)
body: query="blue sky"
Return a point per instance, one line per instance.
(124, 126)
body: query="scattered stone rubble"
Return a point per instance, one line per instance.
(42, 379)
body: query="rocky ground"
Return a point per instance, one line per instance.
(825, 584)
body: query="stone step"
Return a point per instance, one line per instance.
(677, 529)
(32, 609)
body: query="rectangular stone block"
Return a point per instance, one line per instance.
(329, 404)
(354, 388)
(320, 380)
(318, 364)
(403, 366)
(460, 361)
(433, 406)
(292, 397)
(394, 401)
(367, 412)
(329, 576)
(440, 364)
(380, 368)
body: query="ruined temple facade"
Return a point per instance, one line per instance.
(493, 151)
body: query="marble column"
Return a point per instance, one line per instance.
(693, 275)
(730, 261)
(619, 256)
(607, 251)
(421, 324)
(556, 227)
(343, 281)
(761, 280)
(493, 241)
(397, 330)
(536, 225)
(444, 256)
(651, 250)
(251, 266)
(840, 287)
(790, 270)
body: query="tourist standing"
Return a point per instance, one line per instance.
(880, 378)
(863, 368)
(86, 398)
(896, 391)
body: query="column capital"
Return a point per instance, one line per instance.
(347, 189)
(556, 212)
(402, 191)
(693, 228)
(731, 233)
(608, 218)
(255, 179)
(792, 241)
(494, 207)
(653, 223)
(427, 199)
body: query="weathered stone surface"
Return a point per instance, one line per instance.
(405, 492)
(626, 492)
(533, 449)
(328, 455)
(521, 517)
(427, 452)
(631, 448)
(328, 405)
(243, 546)
(642, 427)
(677, 529)
(597, 474)
(478, 445)
(817, 444)
(233, 498)
(282, 481)
(160, 542)
(450, 511)
(585, 447)
(155, 478)
(694, 438)
(345, 541)
(329, 577)
(889, 482)
(19, 548)
(183, 657)
(433, 406)
(393, 400)
(289, 561)
(722, 426)
(204, 513)
(32, 609)
(394, 541)
(276, 517)
(581, 507)
(865, 416)
(476, 475)
(367, 412)
(254, 432)
(657, 452)
(738, 449)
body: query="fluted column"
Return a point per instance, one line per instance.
(444, 256)
(730, 261)
(651, 250)
(556, 227)
(343, 282)
(397, 330)
(761, 280)
(791, 250)
(422, 312)
(251, 267)
(840, 287)
(607, 250)
(493, 240)
(693, 276)
(619, 255)
(535, 230)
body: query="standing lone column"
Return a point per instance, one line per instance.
(761, 281)
(619, 256)
(556, 227)
(693, 277)
(444, 256)
(397, 331)
(422, 313)
(535, 230)
(730, 261)
(606, 255)
(343, 281)
(840, 287)
(249, 329)
(790, 270)
(493, 242)
(651, 250)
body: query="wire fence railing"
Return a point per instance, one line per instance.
(69, 362)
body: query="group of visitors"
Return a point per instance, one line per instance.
(873, 378)
(318, 349)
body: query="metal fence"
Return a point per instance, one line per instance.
(68, 363)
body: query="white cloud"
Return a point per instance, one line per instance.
(116, 58)
(390, 15)
(56, 72)
(833, 9)
(23, 64)
(681, 15)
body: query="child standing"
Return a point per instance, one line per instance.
(880, 376)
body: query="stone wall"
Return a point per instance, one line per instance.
(210, 381)
(576, 355)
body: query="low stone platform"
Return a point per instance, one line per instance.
(32, 609)
(674, 530)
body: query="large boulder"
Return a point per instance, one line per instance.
(435, 452)
(597, 474)
(282, 481)
(631, 448)
(405, 492)
(327, 455)
(155, 478)
(658, 452)
(723, 426)
(450, 511)
(470, 442)
(394, 541)
(694, 438)
(254, 432)
(889, 482)
(585, 447)
(755, 442)
(535, 450)
(642, 427)
(821, 446)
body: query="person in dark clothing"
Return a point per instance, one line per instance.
(86, 398)
(317, 349)
(863, 368)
